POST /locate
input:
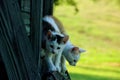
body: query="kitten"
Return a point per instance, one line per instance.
(72, 54)
(53, 44)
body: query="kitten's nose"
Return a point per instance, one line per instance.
(75, 60)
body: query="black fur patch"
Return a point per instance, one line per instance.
(59, 38)
(47, 27)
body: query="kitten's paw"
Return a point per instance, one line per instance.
(63, 70)
(58, 68)
(42, 53)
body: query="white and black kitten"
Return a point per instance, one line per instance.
(53, 44)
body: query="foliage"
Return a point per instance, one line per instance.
(70, 2)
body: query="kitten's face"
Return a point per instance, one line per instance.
(55, 42)
(74, 55)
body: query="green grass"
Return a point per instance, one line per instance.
(96, 28)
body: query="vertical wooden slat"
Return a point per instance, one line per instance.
(48, 7)
(15, 50)
(6, 50)
(36, 28)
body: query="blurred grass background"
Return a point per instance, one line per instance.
(96, 28)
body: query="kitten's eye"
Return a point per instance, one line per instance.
(58, 47)
(75, 60)
(51, 46)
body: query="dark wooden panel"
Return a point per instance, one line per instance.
(48, 7)
(15, 47)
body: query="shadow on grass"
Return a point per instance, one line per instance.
(75, 76)
(99, 69)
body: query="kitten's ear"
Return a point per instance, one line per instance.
(82, 50)
(65, 39)
(49, 34)
(75, 49)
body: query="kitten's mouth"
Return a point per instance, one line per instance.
(72, 64)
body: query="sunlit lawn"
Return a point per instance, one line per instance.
(96, 27)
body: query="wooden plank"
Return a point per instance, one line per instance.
(36, 29)
(15, 47)
(48, 7)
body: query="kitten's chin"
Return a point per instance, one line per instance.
(53, 52)
(73, 64)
